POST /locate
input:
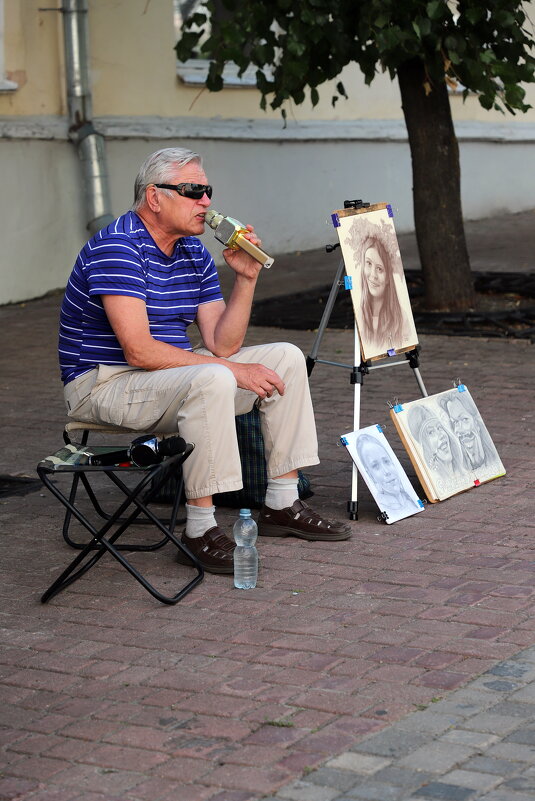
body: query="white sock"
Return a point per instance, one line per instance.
(281, 492)
(198, 520)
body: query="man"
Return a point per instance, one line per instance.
(126, 358)
(469, 430)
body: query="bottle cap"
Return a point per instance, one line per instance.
(245, 513)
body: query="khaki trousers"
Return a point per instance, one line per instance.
(200, 402)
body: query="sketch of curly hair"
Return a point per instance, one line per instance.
(383, 231)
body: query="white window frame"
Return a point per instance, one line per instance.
(194, 72)
(5, 84)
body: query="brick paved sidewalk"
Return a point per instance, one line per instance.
(476, 744)
(232, 696)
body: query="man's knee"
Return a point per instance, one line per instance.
(293, 352)
(290, 358)
(215, 378)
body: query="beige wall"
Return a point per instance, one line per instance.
(133, 71)
(33, 45)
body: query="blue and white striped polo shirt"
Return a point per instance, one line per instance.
(123, 259)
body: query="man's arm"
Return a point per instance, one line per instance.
(223, 328)
(128, 318)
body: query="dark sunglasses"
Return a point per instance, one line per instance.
(193, 191)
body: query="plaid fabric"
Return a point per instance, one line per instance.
(253, 465)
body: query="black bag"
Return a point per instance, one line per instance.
(253, 465)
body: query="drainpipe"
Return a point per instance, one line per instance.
(90, 145)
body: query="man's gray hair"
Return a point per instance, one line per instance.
(158, 168)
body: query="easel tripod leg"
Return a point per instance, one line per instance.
(420, 382)
(413, 357)
(356, 380)
(311, 359)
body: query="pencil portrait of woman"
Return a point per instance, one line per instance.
(440, 449)
(380, 296)
(380, 317)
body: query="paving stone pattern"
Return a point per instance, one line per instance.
(453, 750)
(397, 665)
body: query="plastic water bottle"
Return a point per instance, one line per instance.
(245, 532)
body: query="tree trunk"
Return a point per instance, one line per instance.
(436, 191)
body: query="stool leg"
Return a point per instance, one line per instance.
(100, 544)
(105, 516)
(69, 576)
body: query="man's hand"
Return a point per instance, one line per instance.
(240, 261)
(257, 378)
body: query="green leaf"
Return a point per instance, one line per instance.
(473, 15)
(487, 101)
(214, 83)
(295, 47)
(185, 48)
(199, 19)
(504, 18)
(435, 9)
(425, 26)
(514, 95)
(382, 20)
(487, 57)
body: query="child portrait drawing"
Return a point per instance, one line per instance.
(383, 473)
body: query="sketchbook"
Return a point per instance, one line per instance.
(447, 442)
(384, 476)
(376, 280)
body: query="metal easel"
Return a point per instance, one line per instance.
(359, 368)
